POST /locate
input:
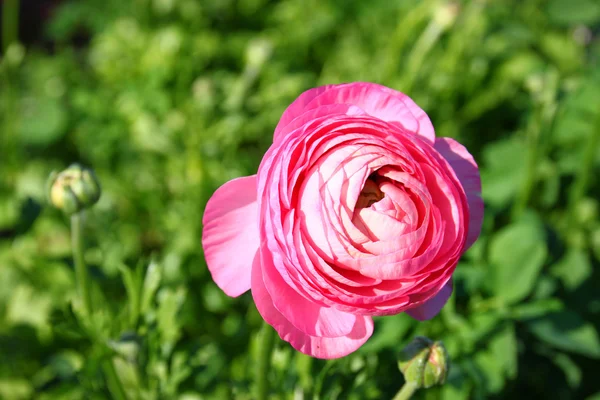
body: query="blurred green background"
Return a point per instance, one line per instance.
(168, 99)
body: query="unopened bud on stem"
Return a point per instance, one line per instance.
(73, 189)
(424, 362)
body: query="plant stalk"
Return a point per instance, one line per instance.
(541, 121)
(81, 272)
(582, 180)
(406, 391)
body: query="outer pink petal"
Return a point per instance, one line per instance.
(467, 172)
(306, 315)
(314, 346)
(379, 101)
(432, 307)
(230, 236)
(298, 107)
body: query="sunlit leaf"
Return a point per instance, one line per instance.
(566, 330)
(518, 253)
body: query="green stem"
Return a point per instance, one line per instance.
(424, 44)
(582, 179)
(112, 380)
(81, 272)
(530, 171)
(541, 120)
(83, 285)
(265, 351)
(406, 391)
(10, 23)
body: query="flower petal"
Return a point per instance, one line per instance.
(379, 101)
(432, 307)
(230, 236)
(467, 172)
(320, 347)
(306, 315)
(298, 107)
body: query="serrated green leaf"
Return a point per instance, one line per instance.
(169, 326)
(150, 286)
(132, 282)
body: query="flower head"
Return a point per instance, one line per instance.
(357, 210)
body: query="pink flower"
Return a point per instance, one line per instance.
(357, 210)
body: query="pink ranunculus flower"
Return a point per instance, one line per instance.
(357, 210)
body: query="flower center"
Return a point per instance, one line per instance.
(369, 195)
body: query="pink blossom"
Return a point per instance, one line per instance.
(357, 210)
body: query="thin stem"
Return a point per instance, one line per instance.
(81, 272)
(406, 391)
(530, 171)
(541, 120)
(582, 179)
(442, 19)
(112, 380)
(265, 351)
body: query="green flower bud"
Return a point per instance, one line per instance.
(73, 189)
(424, 362)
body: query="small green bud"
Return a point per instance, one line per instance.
(73, 189)
(424, 362)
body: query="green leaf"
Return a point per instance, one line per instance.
(151, 283)
(517, 253)
(568, 331)
(504, 347)
(27, 306)
(536, 309)
(573, 123)
(169, 326)
(503, 171)
(499, 361)
(491, 371)
(570, 368)
(132, 281)
(573, 269)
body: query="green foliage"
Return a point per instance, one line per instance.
(168, 99)
(517, 250)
